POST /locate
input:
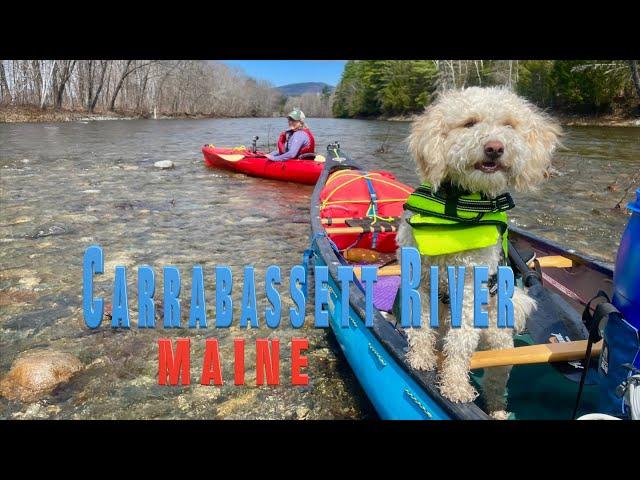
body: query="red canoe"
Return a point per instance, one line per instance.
(296, 170)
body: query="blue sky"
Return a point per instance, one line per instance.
(283, 72)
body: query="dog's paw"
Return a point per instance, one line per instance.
(500, 415)
(422, 360)
(458, 392)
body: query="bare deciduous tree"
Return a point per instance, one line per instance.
(140, 87)
(64, 69)
(5, 92)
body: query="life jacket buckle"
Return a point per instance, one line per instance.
(503, 202)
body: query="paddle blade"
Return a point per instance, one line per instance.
(231, 158)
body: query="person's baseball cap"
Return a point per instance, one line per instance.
(297, 115)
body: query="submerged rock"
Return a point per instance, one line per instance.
(17, 221)
(252, 220)
(29, 282)
(302, 412)
(49, 230)
(164, 164)
(36, 373)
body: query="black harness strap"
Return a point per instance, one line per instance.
(592, 322)
(448, 193)
(451, 206)
(492, 285)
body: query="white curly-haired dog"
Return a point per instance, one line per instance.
(484, 140)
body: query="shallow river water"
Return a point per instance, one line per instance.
(66, 186)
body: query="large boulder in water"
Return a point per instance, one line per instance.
(37, 373)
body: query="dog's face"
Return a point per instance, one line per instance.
(485, 140)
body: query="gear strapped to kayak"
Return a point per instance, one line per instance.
(372, 197)
(451, 221)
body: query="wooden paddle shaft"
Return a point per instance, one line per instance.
(393, 270)
(342, 230)
(329, 220)
(532, 354)
(547, 262)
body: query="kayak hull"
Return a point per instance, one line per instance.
(256, 165)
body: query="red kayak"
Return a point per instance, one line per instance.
(297, 170)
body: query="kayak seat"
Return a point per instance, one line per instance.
(307, 156)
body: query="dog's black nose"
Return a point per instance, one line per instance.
(493, 149)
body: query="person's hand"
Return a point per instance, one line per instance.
(269, 156)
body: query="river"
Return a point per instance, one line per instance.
(66, 186)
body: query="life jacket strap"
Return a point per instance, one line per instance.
(492, 285)
(501, 203)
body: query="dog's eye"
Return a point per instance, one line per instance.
(470, 123)
(509, 125)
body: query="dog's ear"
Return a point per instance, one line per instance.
(543, 138)
(426, 145)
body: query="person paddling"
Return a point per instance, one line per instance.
(294, 142)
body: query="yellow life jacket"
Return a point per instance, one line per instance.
(451, 221)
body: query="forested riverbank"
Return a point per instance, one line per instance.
(581, 92)
(61, 90)
(585, 92)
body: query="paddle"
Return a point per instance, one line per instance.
(370, 229)
(553, 261)
(554, 318)
(394, 270)
(332, 220)
(231, 158)
(236, 157)
(531, 354)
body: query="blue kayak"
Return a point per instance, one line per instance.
(377, 354)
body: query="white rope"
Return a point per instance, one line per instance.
(634, 396)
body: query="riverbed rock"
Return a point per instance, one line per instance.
(251, 220)
(164, 164)
(18, 220)
(36, 373)
(29, 282)
(302, 412)
(49, 230)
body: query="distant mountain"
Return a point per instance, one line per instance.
(297, 89)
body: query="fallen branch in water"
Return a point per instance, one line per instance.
(383, 148)
(634, 179)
